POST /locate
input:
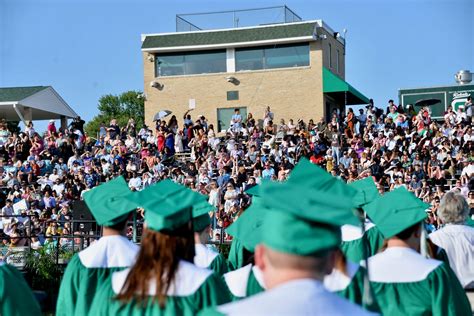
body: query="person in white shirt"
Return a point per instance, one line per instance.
(72, 159)
(460, 115)
(58, 187)
(450, 116)
(135, 183)
(468, 171)
(268, 116)
(7, 210)
(456, 238)
(54, 175)
(391, 142)
(105, 167)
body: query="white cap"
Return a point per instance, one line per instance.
(51, 121)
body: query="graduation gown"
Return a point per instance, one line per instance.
(406, 283)
(350, 285)
(88, 269)
(298, 297)
(353, 241)
(193, 289)
(244, 282)
(235, 258)
(210, 259)
(16, 298)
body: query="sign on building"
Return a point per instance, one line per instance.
(447, 95)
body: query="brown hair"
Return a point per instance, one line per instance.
(158, 258)
(341, 262)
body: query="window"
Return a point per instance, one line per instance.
(337, 60)
(190, 63)
(249, 59)
(270, 57)
(330, 55)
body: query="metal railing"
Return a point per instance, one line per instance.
(82, 234)
(189, 22)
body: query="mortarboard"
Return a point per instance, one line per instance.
(110, 203)
(396, 211)
(366, 191)
(161, 213)
(181, 196)
(247, 228)
(311, 192)
(305, 213)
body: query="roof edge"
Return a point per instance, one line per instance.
(229, 45)
(319, 22)
(436, 87)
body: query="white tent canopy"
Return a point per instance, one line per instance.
(33, 103)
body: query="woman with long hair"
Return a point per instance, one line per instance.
(163, 280)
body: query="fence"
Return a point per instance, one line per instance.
(235, 18)
(63, 246)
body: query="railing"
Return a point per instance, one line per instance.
(235, 18)
(64, 246)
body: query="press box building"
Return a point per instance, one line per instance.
(298, 69)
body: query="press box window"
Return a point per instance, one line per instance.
(190, 63)
(271, 57)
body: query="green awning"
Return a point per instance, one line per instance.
(335, 86)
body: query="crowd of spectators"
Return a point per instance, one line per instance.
(42, 174)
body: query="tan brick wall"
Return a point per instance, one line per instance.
(291, 93)
(337, 47)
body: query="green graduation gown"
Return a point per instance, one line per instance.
(194, 289)
(470, 222)
(16, 298)
(235, 259)
(405, 283)
(349, 285)
(88, 269)
(210, 259)
(244, 282)
(353, 241)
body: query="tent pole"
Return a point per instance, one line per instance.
(19, 114)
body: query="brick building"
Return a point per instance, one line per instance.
(298, 69)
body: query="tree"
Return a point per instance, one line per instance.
(130, 104)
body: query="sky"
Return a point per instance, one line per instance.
(88, 48)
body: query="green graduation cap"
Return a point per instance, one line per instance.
(311, 192)
(256, 190)
(286, 232)
(395, 211)
(247, 228)
(162, 213)
(366, 191)
(181, 196)
(110, 202)
(306, 211)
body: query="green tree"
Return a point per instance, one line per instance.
(130, 104)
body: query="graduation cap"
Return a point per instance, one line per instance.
(306, 211)
(311, 192)
(110, 203)
(366, 191)
(181, 196)
(161, 213)
(396, 211)
(256, 190)
(300, 235)
(247, 228)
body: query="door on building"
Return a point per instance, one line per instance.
(224, 116)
